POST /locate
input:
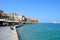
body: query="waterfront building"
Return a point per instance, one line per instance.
(14, 16)
(34, 21)
(28, 20)
(3, 15)
(3, 18)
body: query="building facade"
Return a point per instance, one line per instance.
(3, 15)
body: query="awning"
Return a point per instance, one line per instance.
(2, 20)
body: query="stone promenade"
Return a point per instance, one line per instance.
(7, 34)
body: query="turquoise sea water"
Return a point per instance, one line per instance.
(42, 31)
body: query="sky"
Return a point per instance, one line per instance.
(46, 11)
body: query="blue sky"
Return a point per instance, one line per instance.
(44, 10)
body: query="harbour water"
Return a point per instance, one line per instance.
(42, 31)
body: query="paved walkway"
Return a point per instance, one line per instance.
(6, 33)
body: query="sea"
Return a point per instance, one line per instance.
(41, 31)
